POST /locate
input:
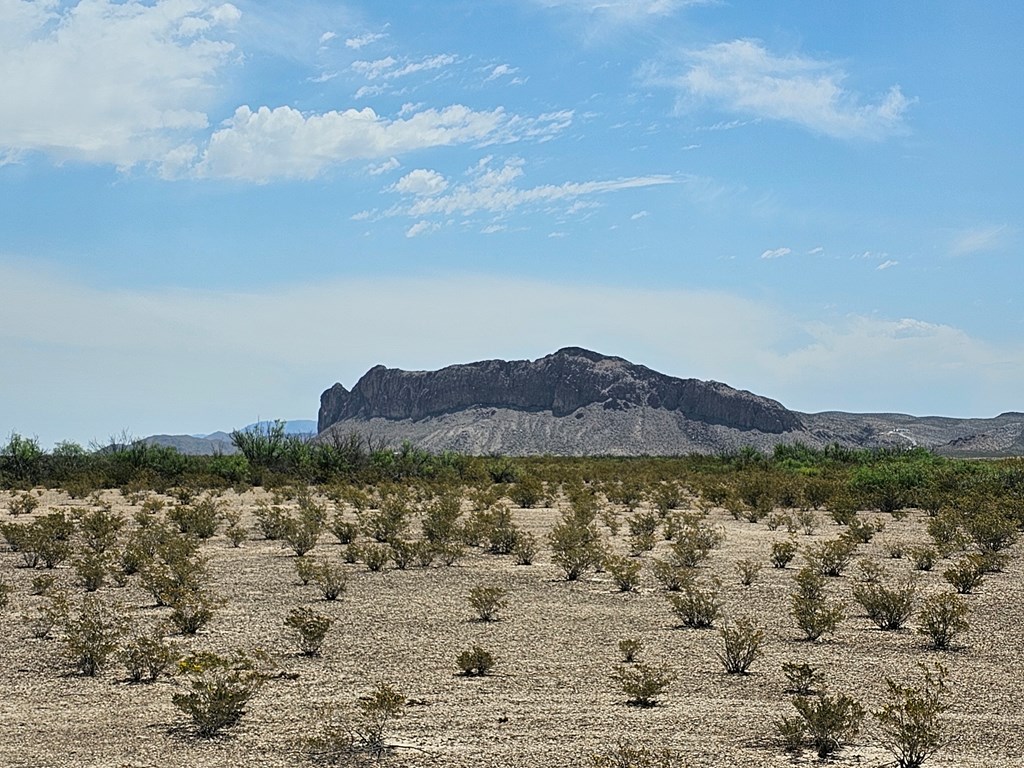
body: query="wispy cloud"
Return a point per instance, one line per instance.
(390, 68)
(979, 240)
(623, 11)
(887, 264)
(776, 253)
(744, 77)
(268, 144)
(361, 41)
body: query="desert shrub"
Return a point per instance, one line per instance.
(697, 607)
(625, 572)
(475, 662)
(896, 549)
(642, 529)
(624, 755)
(146, 657)
(220, 687)
(330, 578)
(666, 497)
(828, 723)
(965, 575)
(815, 615)
(174, 568)
(351, 553)
(807, 521)
(198, 519)
(924, 557)
(234, 530)
(888, 606)
(642, 683)
(909, 721)
(802, 679)
(792, 733)
(192, 609)
(425, 553)
(610, 519)
(941, 618)
(671, 575)
(310, 629)
(98, 528)
(990, 530)
(271, 520)
(403, 553)
(392, 519)
(303, 532)
(783, 553)
(46, 539)
(946, 530)
(528, 492)
(862, 531)
(90, 570)
(694, 542)
(344, 531)
(43, 584)
(23, 503)
(93, 633)
(830, 558)
(487, 601)
(742, 643)
(346, 740)
(525, 549)
(375, 556)
(451, 552)
(305, 568)
(575, 547)
(748, 570)
(441, 518)
(5, 594)
(630, 648)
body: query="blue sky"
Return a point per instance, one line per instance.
(213, 211)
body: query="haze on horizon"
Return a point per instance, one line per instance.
(213, 211)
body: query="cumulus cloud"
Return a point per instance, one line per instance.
(109, 82)
(155, 360)
(266, 144)
(745, 77)
(490, 188)
(776, 253)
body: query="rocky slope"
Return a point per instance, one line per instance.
(576, 402)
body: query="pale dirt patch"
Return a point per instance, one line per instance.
(550, 701)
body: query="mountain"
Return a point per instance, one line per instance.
(220, 442)
(577, 402)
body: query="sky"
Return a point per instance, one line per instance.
(210, 212)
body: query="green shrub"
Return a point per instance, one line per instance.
(575, 547)
(643, 684)
(742, 643)
(199, 519)
(802, 679)
(807, 521)
(487, 601)
(830, 558)
(943, 617)
(525, 549)
(90, 570)
(630, 649)
(303, 532)
(344, 531)
(5, 594)
(671, 575)
(862, 531)
(310, 629)
(93, 633)
(375, 556)
(813, 612)
(23, 503)
(98, 528)
(696, 607)
(220, 687)
(783, 553)
(235, 531)
(829, 722)
(888, 606)
(991, 530)
(965, 575)
(330, 578)
(748, 570)
(192, 609)
(271, 520)
(527, 493)
(403, 553)
(347, 740)
(147, 656)
(475, 662)
(924, 557)
(626, 756)
(625, 572)
(909, 720)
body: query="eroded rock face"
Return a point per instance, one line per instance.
(561, 383)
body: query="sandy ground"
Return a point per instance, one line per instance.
(550, 701)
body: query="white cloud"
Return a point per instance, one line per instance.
(269, 143)
(391, 164)
(776, 253)
(109, 82)
(159, 360)
(361, 41)
(816, 251)
(390, 68)
(493, 189)
(622, 11)
(420, 227)
(326, 37)
(887, 264)
(743, 76)
(979, 240)
(421, 182)
(501, 70)
(640, 215)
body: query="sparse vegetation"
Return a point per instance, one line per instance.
(643, 684)
(475, 662)
(742, 642)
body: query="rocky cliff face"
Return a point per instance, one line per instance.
(560, 384)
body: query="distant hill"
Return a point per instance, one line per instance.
(579, 402)
(220, 442)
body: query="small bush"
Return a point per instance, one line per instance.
(192, 609)
(98, 528)
(346, 741)
(742, 642)
(748, 570)
(829, 722)
(575, 547)
(23, 503)
(475, 662)
(802, 679)
(643, 684)
(90, 570)
(375, 556)
(813, 612)
(965, 575)
(93, 634)
(924, 557)
(626, 756)
(831, 557)
(344, 531)
(909, 721)
(943, 617)
(696, 607)
(625, 572)
(672, 576)
(221, 686)
(403, 553)
(146, 657)
(235, 531)
(330, 578)
(5, 594)
(807, 521)
(272, 521)
(310, 629)
(783, 553)
(525, 549)
(303, 533)
(888, 606)
(630, 649)
(487, 601)
(199, 519)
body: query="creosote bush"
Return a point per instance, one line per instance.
(347, 740)
(630, 649)
(697, 607)
(742, 643)
(965, 575)
(802, 679)
(475, 662)
(147, 656)
(625, 571)
(783, 553)
(487, 601)
(909, 721)
(942, 618)
(825, 723)
(810, 607)
(93, 633)
(643, 684)
(624, 755)
(888, 606)
(310, 629)
(219, 689)
(748, 571)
